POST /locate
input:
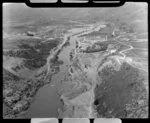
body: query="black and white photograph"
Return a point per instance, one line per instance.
(75, 62)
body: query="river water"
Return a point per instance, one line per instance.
(47, 101)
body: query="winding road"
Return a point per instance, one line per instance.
(87, 98)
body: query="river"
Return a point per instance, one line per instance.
(47, 101)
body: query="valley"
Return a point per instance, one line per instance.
(75, 68)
